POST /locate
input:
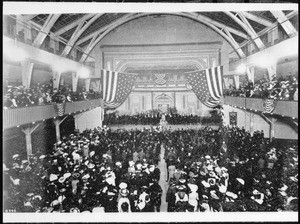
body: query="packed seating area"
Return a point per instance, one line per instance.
(17, 96)
(154, 119)
(228, 170)
(279, 89)
(87, 171)
(101, 170)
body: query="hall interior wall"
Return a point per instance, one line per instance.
(282, 129)
(161, 31)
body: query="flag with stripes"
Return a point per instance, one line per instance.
(269, 105)
(207, 85)
(59, 108)
(116, 87)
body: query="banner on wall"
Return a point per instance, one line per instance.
(233, 118)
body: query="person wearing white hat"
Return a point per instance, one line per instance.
(193, 196)
(123, 199)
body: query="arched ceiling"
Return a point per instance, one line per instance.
(84, 31)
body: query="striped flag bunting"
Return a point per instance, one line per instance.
(208, 85)
(269, 105)
(116, 87)
(59, 108)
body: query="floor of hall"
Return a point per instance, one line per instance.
(162, 181)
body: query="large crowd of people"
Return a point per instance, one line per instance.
(230, 170)
(94, 171)
(101, 170)
(154, 119)
(17, 96)
(279, 89)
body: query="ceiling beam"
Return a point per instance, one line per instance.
(79, 30)
(285, 23)
(243, 22)
(123, 20)
(220, 25)
(265, 30)
(236, 45)
(96, 32)
(257, 19)
(29, 17)
(73, 24)
(45, 30)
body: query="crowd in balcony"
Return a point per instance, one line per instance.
(102, 170)
(278, 89)
(17, 96)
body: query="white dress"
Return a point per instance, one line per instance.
(193, 200)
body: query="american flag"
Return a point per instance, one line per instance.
(59, 108)
(269, 105)
(116, 87)
(207, 85)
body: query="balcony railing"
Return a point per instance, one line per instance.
(284, 108)
(26, 115)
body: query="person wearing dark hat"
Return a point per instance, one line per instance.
(170, 196)
(124, 199)
(155, 192)
(181, 204)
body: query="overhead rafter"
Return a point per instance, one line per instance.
(285, 23)
(119, 22)
(29, 17)
(79, 30)
(243, 22)
(74, 24)
(220, 25)
(257, 19)
(45, 30)
(203, 18)
(91, 35)
(289, 16)
(236, 45)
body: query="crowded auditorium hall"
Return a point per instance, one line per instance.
(190, 113)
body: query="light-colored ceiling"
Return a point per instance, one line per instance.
(85, 30)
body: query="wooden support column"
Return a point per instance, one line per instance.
(56, 79)
(251, 123)
(272, 122)
(96, 85)
(27, 68)
(57, 129)
(28, 131)
(226, 82)
(272, 71)
(250, 73)
(272, 129)
(87, 84)
(57, 121)
(237, 81)
(75, 77)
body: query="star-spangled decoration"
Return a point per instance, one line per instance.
(116, 87)
(207, 85)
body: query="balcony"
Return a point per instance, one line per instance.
(26, 115)
(285, 108)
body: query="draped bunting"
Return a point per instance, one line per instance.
(116, 87)
(208, 85)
